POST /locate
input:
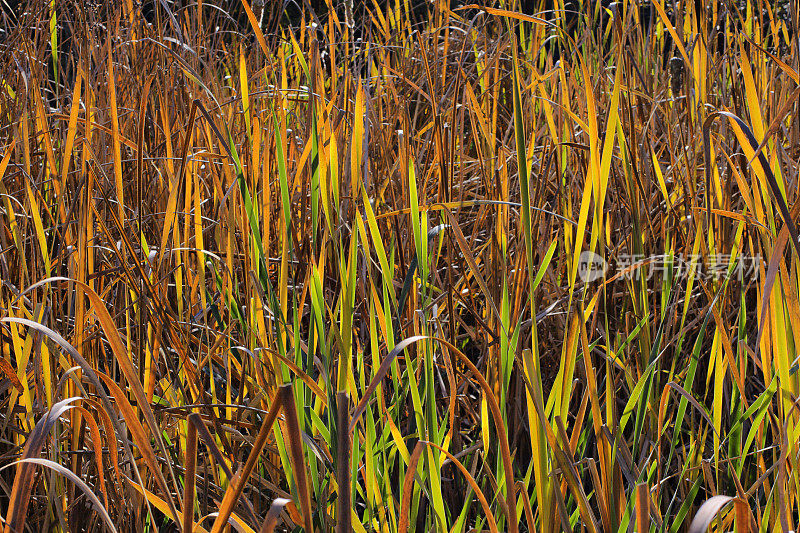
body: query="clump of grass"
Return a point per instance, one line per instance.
(328, 270)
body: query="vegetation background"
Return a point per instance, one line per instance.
(318, 266)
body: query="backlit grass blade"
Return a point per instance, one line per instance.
(115, 133)
(109, 523)
(296, 447)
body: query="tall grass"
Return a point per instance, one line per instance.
(327, 270)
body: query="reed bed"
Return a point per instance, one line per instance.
(398, 265)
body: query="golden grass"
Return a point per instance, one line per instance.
(324, 271)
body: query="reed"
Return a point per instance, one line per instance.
(401, 266)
